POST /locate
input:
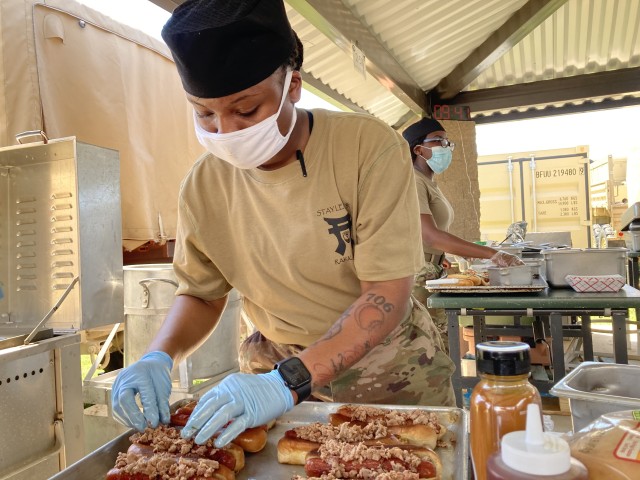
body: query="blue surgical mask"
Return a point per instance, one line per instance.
(440, 159)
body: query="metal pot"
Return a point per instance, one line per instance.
(149, 291)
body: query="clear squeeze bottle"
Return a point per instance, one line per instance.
(498, 403)
(534, 455)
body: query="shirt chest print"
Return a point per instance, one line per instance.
(340, 227)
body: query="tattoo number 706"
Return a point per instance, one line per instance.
(380, 301)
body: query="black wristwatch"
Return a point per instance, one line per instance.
(296, 376)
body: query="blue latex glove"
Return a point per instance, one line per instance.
(249, 400)
(151, 378)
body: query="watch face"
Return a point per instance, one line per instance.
(294, 372)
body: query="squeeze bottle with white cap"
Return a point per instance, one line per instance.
(534, 455)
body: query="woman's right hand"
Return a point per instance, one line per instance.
(149, 377)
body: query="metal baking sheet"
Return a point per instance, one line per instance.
(264, 465)
(538, 285)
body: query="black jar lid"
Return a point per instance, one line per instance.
(503, 358)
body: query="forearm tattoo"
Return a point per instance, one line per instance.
(370, 316)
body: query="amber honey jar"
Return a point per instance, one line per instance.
(499, 401)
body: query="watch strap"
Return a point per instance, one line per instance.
(302, 391)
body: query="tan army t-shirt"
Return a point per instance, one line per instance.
(297, 247)
(433, 202)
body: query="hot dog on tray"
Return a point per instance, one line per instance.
(180, 417)
(415, 426)
(161, 466)
(345, 460)
(296, 443)
(251, 440)
(168, 439)
(404, 475)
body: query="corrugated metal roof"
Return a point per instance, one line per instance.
(580, 38)
(423, 51)
(334, 67)
(430, 37)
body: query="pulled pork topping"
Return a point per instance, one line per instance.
(321, 432)
(164, 466)
(337, 453)
(395, 475)
(406, 475)
(168, 439)
(392, 417)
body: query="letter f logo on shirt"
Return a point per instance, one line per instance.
(341, 228)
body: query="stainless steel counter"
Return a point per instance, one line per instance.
(40, 408)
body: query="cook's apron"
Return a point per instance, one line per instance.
(410, 367)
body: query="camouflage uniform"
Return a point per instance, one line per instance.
(410, 367)
(431, 271)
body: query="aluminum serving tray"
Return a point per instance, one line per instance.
(538, 285)
(264, 465)
(595, 388)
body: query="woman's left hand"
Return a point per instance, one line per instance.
(248, 400)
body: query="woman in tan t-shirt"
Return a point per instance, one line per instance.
(300, 212)
(431, 152)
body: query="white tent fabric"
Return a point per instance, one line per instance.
(71, 71)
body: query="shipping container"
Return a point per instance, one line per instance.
(549, 189)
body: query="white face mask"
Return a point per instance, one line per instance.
(252, 146)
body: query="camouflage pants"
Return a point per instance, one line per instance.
(432, 272)
(410, 367)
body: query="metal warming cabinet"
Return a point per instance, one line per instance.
(60, 223)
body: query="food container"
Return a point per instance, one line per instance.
(595, 283)
(583, 261)
(595, 388)
(536, 266)
(453, 448)
(505, 276)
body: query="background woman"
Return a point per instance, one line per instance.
(431, 152)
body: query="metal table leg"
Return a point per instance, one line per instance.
(557, 346)
(634, 281)
(453, 327)
(479, 329)
(620, 336)
(587, 339)
(634, 272)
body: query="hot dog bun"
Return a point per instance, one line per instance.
(336, 458)
(293, 447)
(415, 426)
(252, 439)
(168, 439)
(132, 466)
(467, 279)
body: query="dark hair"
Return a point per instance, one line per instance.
(297, 54)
